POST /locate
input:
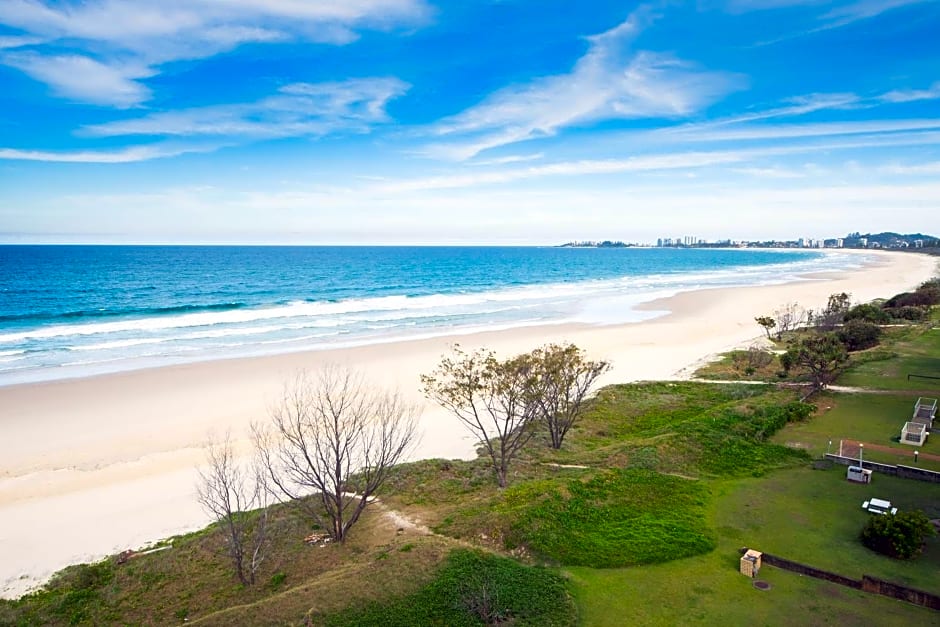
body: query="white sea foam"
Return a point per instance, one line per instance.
(42, 353)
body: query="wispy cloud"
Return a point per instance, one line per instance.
(911, 95)
(125, 155)
(80, 78)
(610, 81)
(930, 168)
(862, 10)
(121, 41)
(299, 109)
(679, 161)
(765, 132)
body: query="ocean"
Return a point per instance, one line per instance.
(70, 311)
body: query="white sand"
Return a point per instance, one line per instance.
(94, 466)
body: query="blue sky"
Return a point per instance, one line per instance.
(411, 121)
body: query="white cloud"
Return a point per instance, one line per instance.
(142, 34)
(83, 79)
(862, 10)
(298, 109)
(713, 133)
(608, 82)
(17, 41)
(911, 95)
(124, 155)
(931, 168)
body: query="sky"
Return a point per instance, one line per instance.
(466, 121)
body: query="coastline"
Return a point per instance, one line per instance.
(119, 471)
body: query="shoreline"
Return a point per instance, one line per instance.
(623, 305)
(120, 470)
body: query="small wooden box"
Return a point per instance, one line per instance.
(750, 563)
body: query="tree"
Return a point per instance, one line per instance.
(900, 535)
(823, 355)
(492, 398)
(767, 323)
(328, 431)
(834, 313)
(869, 313)
(561, 379)
(858, 334)
(229, 491)
(789, 317)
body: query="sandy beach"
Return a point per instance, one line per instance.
(97, 465)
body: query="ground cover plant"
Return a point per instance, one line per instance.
(616, 518)
(193, 580)
(474, 588)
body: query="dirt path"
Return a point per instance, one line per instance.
(850, 448)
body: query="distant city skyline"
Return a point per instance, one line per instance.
(466, 122)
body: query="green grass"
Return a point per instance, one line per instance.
(474, 588)
(809, 516)
(708, 590)
(910, 350)
(617, 518)
(869, 418)
(815, 517)
(697, 429)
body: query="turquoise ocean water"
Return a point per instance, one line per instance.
(68, 311)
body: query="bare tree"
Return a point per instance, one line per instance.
(229, 490)
(330, 431)
(562, 378)
(491, 398)
(788, 318)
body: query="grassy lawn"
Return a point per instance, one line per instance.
(869, 418)
(801, 514)
(915, 350)
(815, 516)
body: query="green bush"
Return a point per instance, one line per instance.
(924, 296)
(858, 335)
(901, 535)
(868, 312)
(908, 313)
(475, 588)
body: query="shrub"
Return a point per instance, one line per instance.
(750, 360)
(858, 335)
(923, 297)
(900, 536)
(868, 312)
(908, 313)
(475, 588)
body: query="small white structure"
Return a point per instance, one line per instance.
(858, 474)
(914, 433)
(925, 410)
(878, 506)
